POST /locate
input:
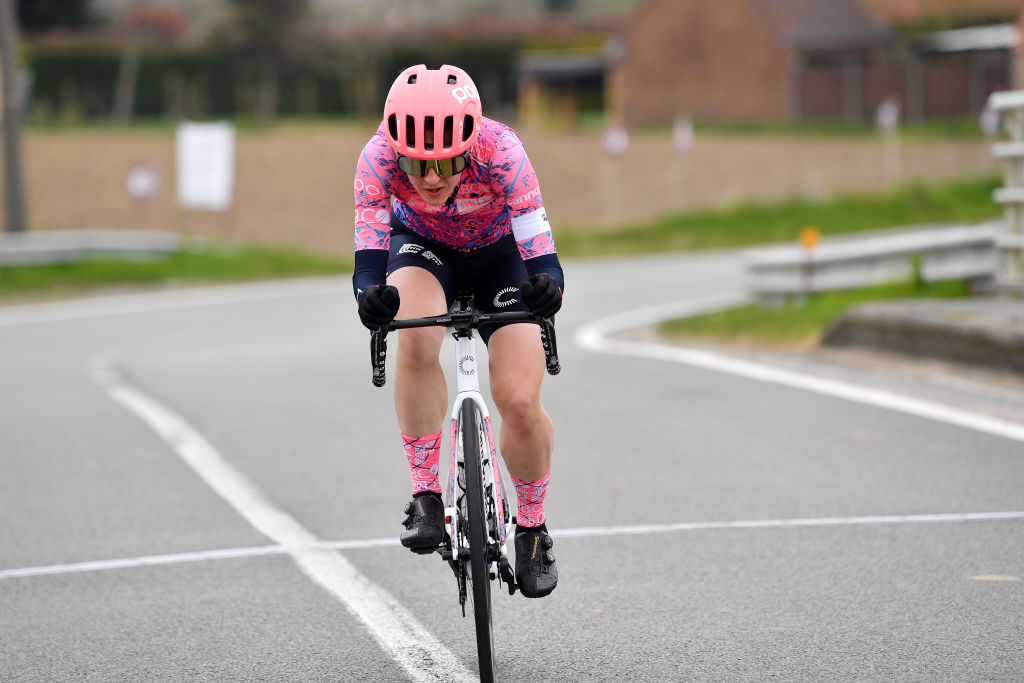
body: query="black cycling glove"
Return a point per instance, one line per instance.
(378, 305)
(541, 294)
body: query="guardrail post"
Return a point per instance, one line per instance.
(1010, 107)
(13, 105)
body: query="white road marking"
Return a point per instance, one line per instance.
(580, 532)
(596, 337)
(422, 656)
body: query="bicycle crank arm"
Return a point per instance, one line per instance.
(507, 575)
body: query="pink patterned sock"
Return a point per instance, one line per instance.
(422, 452)
(531, 501)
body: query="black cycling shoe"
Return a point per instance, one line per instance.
(424, 523)
(536, 573)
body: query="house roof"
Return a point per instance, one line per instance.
(994, 37)
(913, 11)
(814, 23)
(559, 65)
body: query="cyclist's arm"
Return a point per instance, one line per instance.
(530, 224)
(538, 248)
(373, 215)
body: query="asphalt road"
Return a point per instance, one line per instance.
(179, 469)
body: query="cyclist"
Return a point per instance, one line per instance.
(446, 198)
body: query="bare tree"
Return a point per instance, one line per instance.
(264, 35)
(128, 73)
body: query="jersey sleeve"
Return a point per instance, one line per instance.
(372, 187)
(529, 218)
(518, 184)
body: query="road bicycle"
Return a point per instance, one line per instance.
(476, 511)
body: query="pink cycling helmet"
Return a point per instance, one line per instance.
(443, 102)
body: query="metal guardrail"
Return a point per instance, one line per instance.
(1009, 106)
(774, 274)
(64, 246)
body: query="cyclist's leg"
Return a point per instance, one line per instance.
(517, 367)
(516, 370)
(527, 438)
(421, 395)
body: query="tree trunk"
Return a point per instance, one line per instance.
(266, 111)
(127, 77)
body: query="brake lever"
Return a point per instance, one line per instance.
(547, 338)
(378, 357)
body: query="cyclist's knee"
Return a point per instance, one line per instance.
(519, 405)
(418, 349)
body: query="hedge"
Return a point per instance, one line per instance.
(70, 83)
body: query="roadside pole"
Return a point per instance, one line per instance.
(12, 96)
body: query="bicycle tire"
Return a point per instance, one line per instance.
(471, 424)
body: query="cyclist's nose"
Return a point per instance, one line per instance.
(431, 176)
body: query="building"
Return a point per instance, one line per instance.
(749, 59)
(784, 60)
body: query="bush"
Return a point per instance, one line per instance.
(74, 83)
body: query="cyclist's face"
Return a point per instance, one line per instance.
(434, 189)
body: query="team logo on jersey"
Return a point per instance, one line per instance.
(532, 194)
(502, 303)
(471, 204)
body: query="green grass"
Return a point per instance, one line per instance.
(965, 128)
(797, 324)
(741, 226)
(218, 264)
(968, 200)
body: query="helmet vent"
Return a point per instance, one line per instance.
(412, 79)
(410, 131)
(467, 128)
(451, 79)
(428, 133)
(449, 125)
(393, 127)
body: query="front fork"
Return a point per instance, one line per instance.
(498, 516)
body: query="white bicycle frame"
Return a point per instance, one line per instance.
(468, 382)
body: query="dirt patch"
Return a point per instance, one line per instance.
(294, 185)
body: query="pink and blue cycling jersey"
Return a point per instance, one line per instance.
(497, 195)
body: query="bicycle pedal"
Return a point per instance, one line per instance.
(426, 551)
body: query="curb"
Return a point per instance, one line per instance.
(984, 332)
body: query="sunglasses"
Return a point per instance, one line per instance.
(417, 168)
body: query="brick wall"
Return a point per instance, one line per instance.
(824, 82)
(727, 60)
(710, 60)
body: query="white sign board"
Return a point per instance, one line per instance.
(887, 116)
(616, 141)
(683, 137)
(206, 165)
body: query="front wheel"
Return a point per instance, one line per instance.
(474, 447)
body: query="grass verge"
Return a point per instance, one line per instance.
(219, 264)
(742, 226)
(798, 325)
(968, 200)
